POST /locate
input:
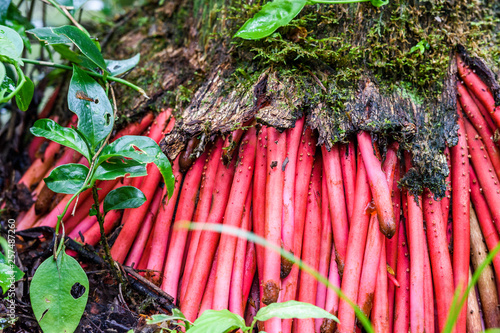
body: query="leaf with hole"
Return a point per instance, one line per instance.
(24, 96)
(141, 149)
(71, 34)
(272, 15)
(117, 67)
(117, 167)
(89, 101)
(123, 197)
(11, 45)
(67, 178)
(58, 293)
(68, 137)
(292, 309)
(212, 321)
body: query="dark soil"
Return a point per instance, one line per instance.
(110, 308)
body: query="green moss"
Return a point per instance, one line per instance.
(359, 38)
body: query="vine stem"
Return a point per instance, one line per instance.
(22, 81)
(104, 240)
(69, 68)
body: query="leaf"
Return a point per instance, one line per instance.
(119, 167)
(71, 34)
(67, 178)
(75, 57)
(379, 3)
(18, 274)
(116, 67)
(15, 20)
(4, 6)
(88, 100)
(65, 136)
(53, 284)
(8, 273)
(11, 44)
(2, 71)
(124, 197)
(76, 4)
(24, 96)
(6, 87)
(292, 309)
(141, 149)
(273, 15)
(212, 321)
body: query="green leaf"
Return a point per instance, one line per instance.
(6, 87)
(116, 67)
(141, 149)
(176, 316)
(4, 6)
(117, 167)
(212, 321)
(67, 178)
(2, 72)
(379, 3)
(71, 34)
(292, 309)
(8, 273)
(11, 44)
(65, 136)
(273, 15)
(88, 100)
(124, 197)
(24, 96)
(15, 20)
(54, 306)
(75, 57)
(76, 4)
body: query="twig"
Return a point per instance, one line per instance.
(135, 280)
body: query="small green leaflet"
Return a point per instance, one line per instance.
(6, 87)
(75, 57)
(89, 101)
(58, 293)
(7, 272)
(123, 197)
(68, 137)
(117, 67)
(11, 45)
(293, 309)
(273, 15)
(67, 178)
(71, 34)
(141, 149)
(278, 13)
(117, 167)
(4, 6)
(75, 4)
(2, 72)
(24, 96)
(212, 321)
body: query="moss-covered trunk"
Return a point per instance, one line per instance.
(388, 70)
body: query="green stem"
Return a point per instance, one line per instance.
(65, 12)
(22, 81)
(110, 78)
(104, 241)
